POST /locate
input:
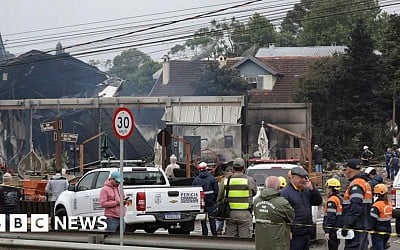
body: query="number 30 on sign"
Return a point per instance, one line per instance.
(123, 123)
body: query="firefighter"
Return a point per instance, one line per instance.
(357, 203)
(282, 182)
(381, 214)
(332, 213)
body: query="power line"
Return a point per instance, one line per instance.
(102, 49)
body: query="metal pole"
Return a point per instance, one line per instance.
(99, 133)
(74, 157)
(121, 193)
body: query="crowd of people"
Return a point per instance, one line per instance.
(283, 214)
(282, 211)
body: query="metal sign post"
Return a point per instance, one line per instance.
(123, 125)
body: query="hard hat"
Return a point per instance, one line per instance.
(202, 166)
(333, 183)
(380, 189)
(282, 182)
(365, 147)
(370, 170)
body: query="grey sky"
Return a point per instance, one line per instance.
(19, 17)
(22, 20)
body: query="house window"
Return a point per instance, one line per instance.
(260, 82)
(228, 141)
(254, 81)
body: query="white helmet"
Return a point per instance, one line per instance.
(365, 147)
(369, 170)
(202, 166)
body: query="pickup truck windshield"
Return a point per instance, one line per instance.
(259, 175)
(144, 178)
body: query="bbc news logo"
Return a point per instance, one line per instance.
(40, 223)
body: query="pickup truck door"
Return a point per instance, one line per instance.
(87, 195)
(82, 204)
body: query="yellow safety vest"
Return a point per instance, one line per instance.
(239, 193)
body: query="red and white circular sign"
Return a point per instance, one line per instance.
(123, 123)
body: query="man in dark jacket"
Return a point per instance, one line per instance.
(210, 189)
(273, 216)
(9, 198)
(318, 156)
(357, 203)
(301, 195)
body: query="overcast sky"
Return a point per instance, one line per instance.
(40, 24)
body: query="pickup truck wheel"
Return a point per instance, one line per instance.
(150, 230)
(60, 213)
(130, 228)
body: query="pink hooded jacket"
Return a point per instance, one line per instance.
(109, 200)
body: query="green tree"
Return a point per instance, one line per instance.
(391, 56)
(216, 81)
(330, 22)
(292, 23)
(348, 98)
(228, 38)
(137, 69)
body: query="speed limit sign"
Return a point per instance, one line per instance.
(123, 123)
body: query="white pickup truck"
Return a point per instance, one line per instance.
(152, 203)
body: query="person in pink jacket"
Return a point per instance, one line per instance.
(110, 201)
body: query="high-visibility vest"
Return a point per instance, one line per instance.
(366, 198)
(239, 193)
(385, 210)
(338, 203)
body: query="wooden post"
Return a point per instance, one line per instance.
(81, 148)
(58, 143)
(188, 159)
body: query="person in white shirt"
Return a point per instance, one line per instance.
(169, 171)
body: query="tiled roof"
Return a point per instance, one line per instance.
(290, 68)
(184, 75)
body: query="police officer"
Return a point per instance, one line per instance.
(210, 188)
(332, 213)
(381, 214)
(241, 190)
(357, 202)
(301, 195)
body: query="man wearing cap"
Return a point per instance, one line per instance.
(9, 198)
(110, 201)
(241, 190)
(210, 189)
(357, 203)
(302, 195)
